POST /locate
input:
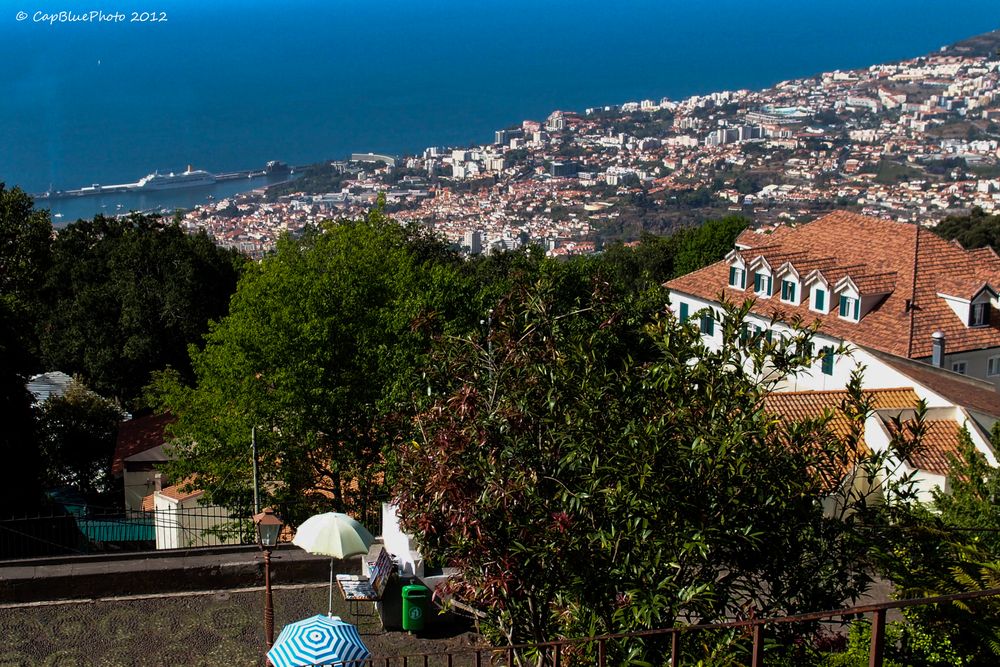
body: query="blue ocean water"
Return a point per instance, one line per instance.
(229, 85)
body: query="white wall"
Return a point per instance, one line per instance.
(138, 485)
(399, 544)
(877, 374)
(975, 362)
(182, 524)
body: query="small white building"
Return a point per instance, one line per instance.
(181, 520)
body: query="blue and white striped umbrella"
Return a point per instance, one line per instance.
(319, 640)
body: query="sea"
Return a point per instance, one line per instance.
(107, 92)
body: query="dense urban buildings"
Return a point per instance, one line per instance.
(909, 141)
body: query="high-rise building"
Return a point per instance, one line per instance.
(473, 241)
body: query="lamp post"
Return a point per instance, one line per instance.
(268, 528)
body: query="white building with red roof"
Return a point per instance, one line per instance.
(915, 310)
(874, 284)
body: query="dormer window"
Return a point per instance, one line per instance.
(850, 307)
(762, 284)
(789, 289)
(976, 311)
(979, 314)
(818, 300)
(737, 277)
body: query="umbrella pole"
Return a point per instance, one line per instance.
(329, 606)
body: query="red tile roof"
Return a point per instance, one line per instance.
(138, 435)
(940, 439)
(796, 406)
(174, 492)
(878, 254)
(970, 393)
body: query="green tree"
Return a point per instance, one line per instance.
(650, 263)
(126, 296)
(591, 467)
(25, 251)
(18, 437)
(971, 505)
(320, 353)
(77, 432)
(976, 230)
(954, 549)
(25, 240)
(700, 246)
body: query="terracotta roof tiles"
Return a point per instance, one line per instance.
(970, 393)
(867, 248)
(798, 406)
(174, 491)
(138, 435)
(940, 439)
(795, 406)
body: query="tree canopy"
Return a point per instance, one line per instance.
(976, 230)
(591, 466)
(319, 353)
(126, 296)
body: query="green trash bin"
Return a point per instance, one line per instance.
(415, 601)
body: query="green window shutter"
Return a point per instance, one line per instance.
(843, 306)
(820, 300)
(684, 312)
(770, 285)
(756, 282)
(827, 360)
(857, 309)
(707, 324)
(769, 335)
(745, 335)
(732, 276)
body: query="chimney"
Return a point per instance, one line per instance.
(937, 349)
(158, 481)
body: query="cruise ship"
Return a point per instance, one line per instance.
(188, 179)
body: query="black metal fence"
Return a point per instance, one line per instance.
(107, 531)
(597, 650)
(84, 530)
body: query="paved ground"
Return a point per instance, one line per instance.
(210, 628)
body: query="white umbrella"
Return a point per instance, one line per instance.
(335, 535)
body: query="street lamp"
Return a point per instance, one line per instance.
(268, 528)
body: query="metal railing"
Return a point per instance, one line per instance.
(561, 653)
(96, 530)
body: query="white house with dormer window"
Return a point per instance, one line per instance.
(819, 292)
(976, 309)
(866, 282)
(914, 309)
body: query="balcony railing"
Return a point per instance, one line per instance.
(558, 653)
